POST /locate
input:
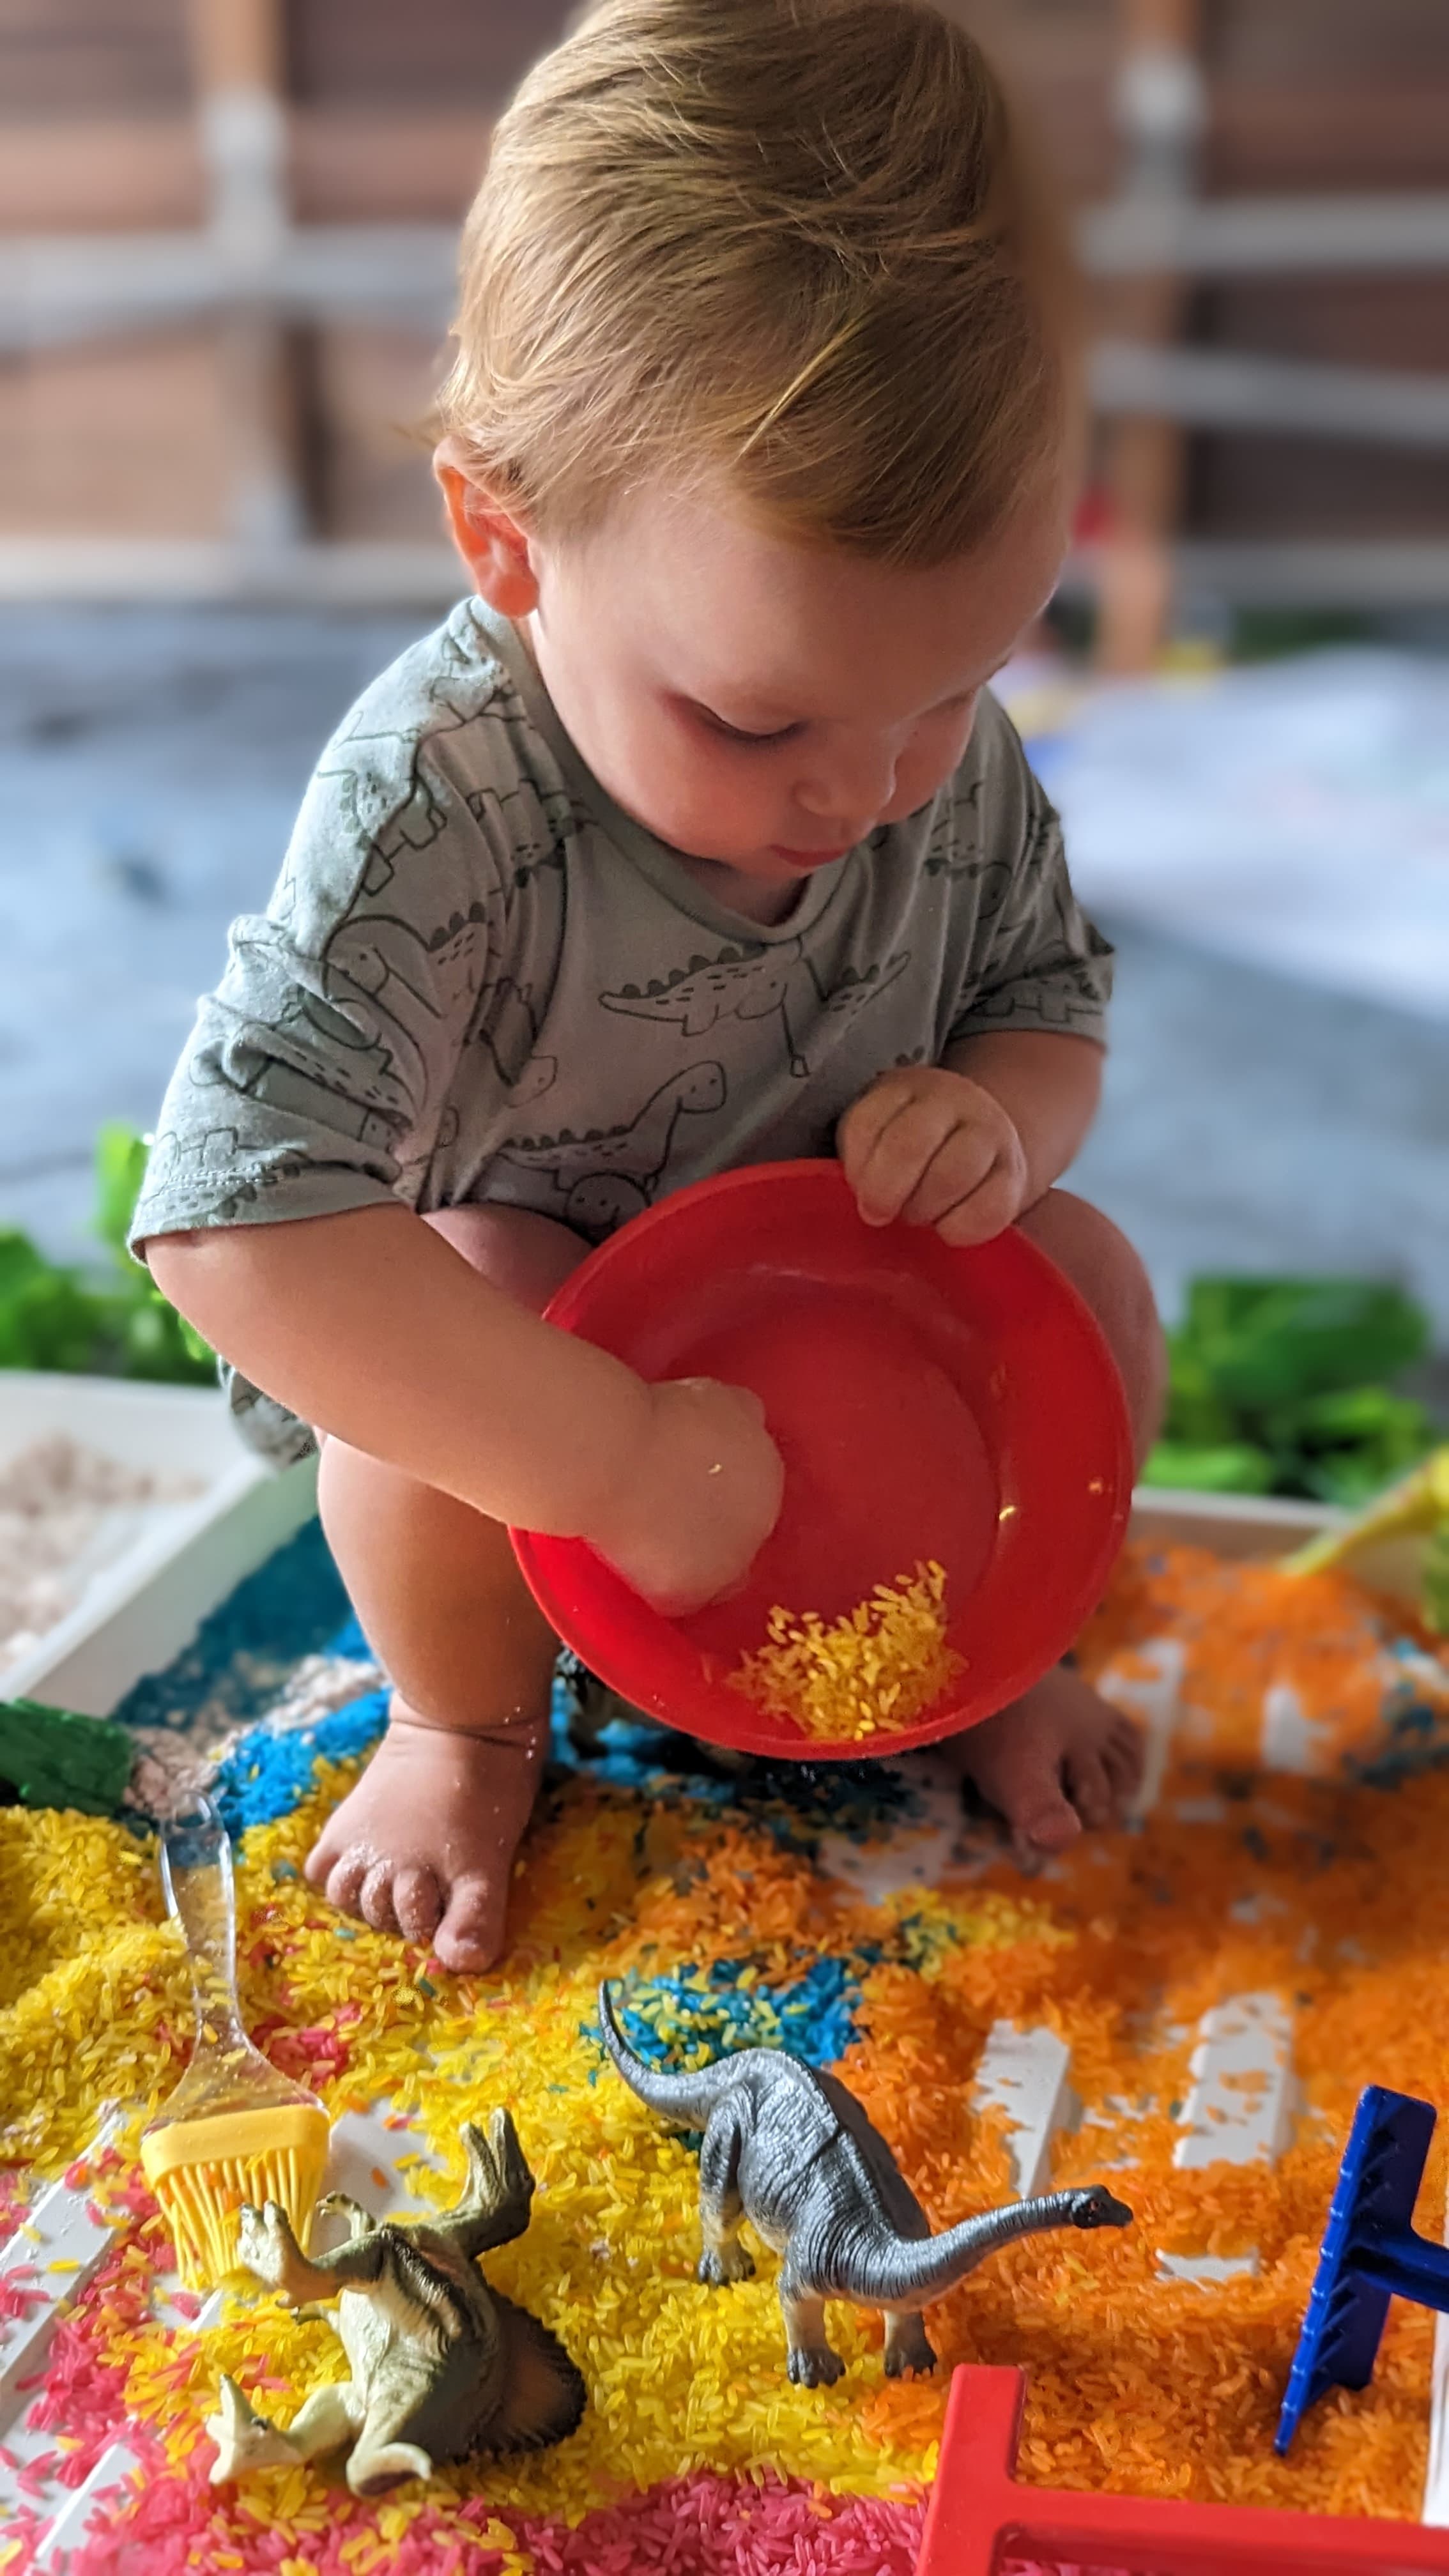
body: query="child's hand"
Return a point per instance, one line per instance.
(935, 1148)
(702, 1500)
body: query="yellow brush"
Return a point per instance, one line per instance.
(234, 2129)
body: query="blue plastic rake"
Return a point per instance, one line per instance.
(1370, 2254)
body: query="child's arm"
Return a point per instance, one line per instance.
(968, 1145)
(372, 1327)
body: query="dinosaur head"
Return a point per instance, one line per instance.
(244, 2439)
(1097, 2208)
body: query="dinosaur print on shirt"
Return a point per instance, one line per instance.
(480, 979)
(749, 983)
(612, 1173)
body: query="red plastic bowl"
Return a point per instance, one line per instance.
(961, 1406)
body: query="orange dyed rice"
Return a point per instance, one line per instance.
(1323, 1892)
(873, 1672)
(1248, 1629)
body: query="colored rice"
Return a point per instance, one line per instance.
(696, 2452)
(880, 1668)
(1369, 1678)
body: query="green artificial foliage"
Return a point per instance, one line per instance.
(110, 1321)
(1285, 1386)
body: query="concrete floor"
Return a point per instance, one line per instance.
(150, 763)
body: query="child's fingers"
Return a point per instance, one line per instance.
(963, 1164)
(704, 1501)
(987, 1211)
(900, 1154)
(863, 1126)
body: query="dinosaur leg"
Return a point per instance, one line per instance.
(330, 2417)
(375, 2466)
(498, 2193)
(360, 2221)
(382, 2457)
(812, 2363)
(720, 2207)
(907, 2345)
(271, 2251)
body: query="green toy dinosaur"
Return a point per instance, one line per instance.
(443, 2367)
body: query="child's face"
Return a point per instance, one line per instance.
(762, 705)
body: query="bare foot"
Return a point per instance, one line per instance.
(1058, 1759)
(424, 1844)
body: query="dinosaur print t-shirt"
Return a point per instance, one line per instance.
(479, 979)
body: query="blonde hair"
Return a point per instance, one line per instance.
(801, 243)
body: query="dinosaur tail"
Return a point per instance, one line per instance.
(686, 2099)
(906, 2274)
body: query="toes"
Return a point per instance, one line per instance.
(1089, 1788)
(1050, 1823)
(1022, 1780)
(470, 1934)
(1124, 1753)
(376, 1897)
(328, 1852)
(417, 1902)
(345, 1879)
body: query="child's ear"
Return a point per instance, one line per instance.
(493, 542)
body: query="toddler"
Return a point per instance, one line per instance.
(691, 839)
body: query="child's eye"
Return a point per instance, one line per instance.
(737, 733)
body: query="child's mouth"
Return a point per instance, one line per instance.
(810, 858)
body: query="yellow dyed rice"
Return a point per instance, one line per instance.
(879, 1669)
(1331, 1895)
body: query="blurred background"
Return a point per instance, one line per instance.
(226, 250)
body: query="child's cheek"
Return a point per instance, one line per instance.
(934, 754)
(682, 793)
(720, 810)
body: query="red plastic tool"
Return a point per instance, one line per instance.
(929, 1403)
(980, 2519)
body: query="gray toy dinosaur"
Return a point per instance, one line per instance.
(793, 2152)
(443, 2367)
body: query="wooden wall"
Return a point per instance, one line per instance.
(390, 105)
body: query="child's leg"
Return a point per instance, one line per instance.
(425, 1843)
(1060, 1757)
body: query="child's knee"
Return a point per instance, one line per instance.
(1109, 1273)
(528, 1256)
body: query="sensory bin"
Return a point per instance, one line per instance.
(1195, 2005)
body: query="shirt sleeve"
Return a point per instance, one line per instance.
(1037, 961)
(318, 1073)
